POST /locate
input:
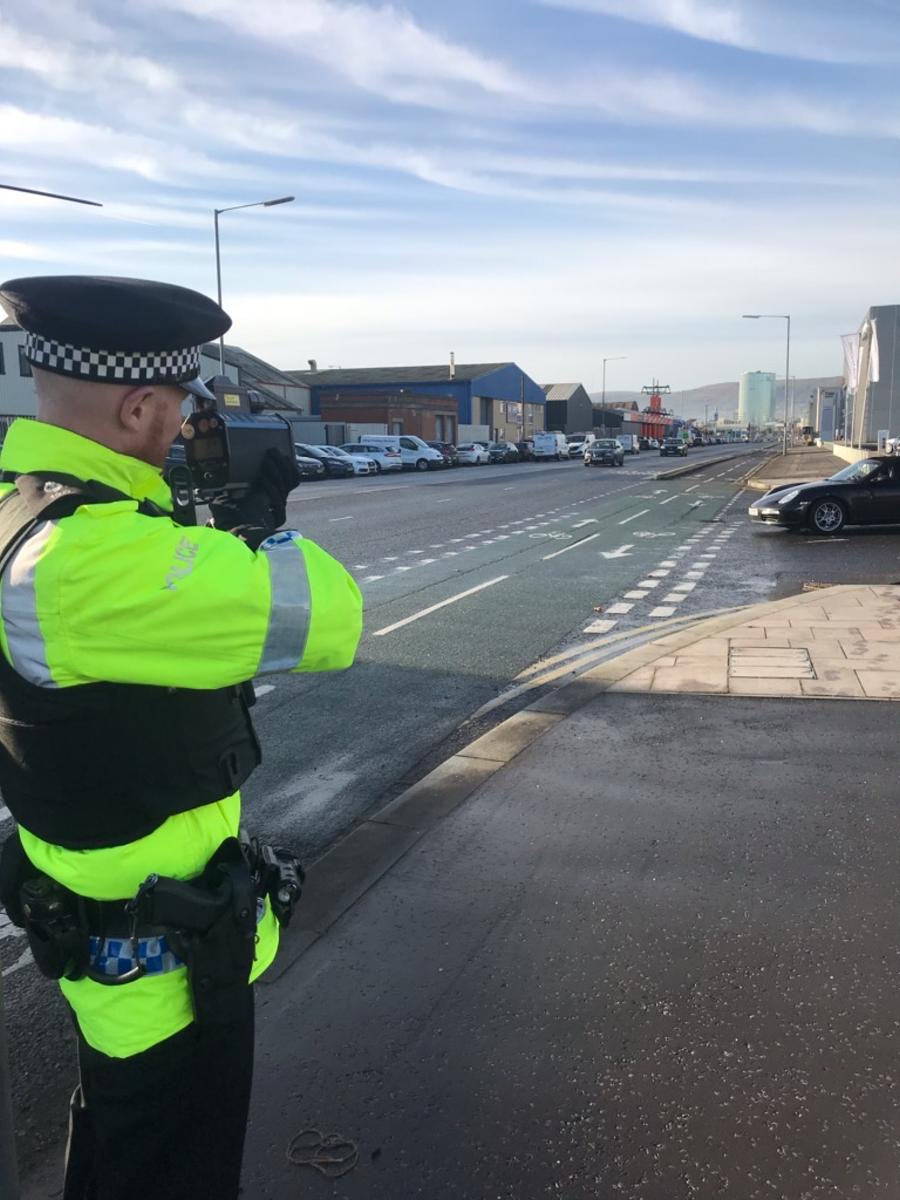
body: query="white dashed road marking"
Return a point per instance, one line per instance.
(434, 607)
(574, 546)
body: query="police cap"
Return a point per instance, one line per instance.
(111, 330)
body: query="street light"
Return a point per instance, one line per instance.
(616, 358)
(217, 212)
(10, 187)
(787, 363)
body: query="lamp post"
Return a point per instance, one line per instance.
(9, 1177)
(217, 212)
(616, 358)
(787, 364)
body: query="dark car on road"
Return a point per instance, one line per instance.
(503, 452)
(448, 451)
(673, 446)
(526, 450)
(604, 452)
(334, 468)
(865, 493)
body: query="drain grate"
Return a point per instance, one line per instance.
(760, 662)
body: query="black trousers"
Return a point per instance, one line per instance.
(167, 1124)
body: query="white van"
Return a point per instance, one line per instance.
(629, 443)
(550, 445)
(416, 454)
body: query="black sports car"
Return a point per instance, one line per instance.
(865, 493)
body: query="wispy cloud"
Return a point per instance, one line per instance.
(817, 30)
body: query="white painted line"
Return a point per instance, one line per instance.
(390, 558)
(372, 578)
(450, 501)
(434, 607)
(619, 609)
(600, 626)
(415, 552)
(436, 546)
(263, 689)
(635, 595)
(692, 489)
(573, 546)
(700, 566)
(649, 583)
(660, 574)
(588, 521)
(635, 517)
(403, 568)
(713, 555)
(674, 598)
(333, 519)
(425, 561)
(684, 587)
(450, 554)
(662, 611)
(667, 563)
(360, 566)
(669, 501)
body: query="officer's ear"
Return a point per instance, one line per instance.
(136, 407)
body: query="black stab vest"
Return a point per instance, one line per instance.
(103, 764)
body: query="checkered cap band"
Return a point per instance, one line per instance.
(112, 366)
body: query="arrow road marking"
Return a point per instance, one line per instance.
(622, 552)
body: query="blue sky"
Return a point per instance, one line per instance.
(550, 181)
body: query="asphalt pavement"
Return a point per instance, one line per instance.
(653, 957)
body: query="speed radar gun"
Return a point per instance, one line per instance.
(224, 445)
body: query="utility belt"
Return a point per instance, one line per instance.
(207, 924)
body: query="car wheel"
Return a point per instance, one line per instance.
(827, 516)
(378, 468)
(421, 464)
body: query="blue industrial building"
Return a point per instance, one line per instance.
(488, 395)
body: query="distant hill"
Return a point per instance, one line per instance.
(720, 397)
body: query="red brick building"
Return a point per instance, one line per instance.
(433, 418)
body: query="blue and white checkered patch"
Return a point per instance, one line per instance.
(113, 956)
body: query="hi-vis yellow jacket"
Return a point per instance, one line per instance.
(111, 595)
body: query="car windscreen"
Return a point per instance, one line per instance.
(604, 445)
(858, 471)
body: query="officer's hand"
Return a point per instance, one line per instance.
(265, 505)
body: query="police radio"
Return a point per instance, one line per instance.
(224, 445)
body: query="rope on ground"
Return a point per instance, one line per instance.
(329, 1154)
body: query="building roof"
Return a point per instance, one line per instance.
(463, 372)
(560, 391)
(9, 323)
(259, 373)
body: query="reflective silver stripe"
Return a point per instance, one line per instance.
(290, 612)
(24, 636)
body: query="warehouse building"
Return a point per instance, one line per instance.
(480, 400)
(569, 408)
(872, 375)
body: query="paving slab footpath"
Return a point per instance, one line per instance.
(799, 465)
(638, 941)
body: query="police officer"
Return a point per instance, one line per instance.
(124, 730)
